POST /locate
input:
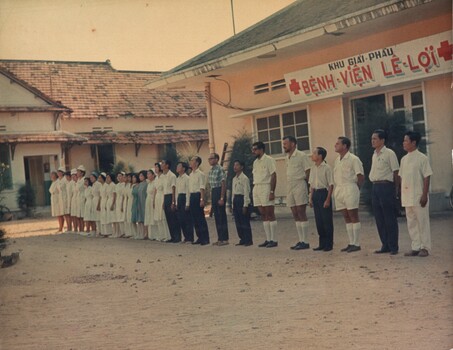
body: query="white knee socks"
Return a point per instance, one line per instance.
(350, 233)
(302, 231)
(356, 233)
(273, 226)
(267, 230)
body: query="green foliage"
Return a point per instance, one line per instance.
(242, 150)
(170, 153)
(26, 199)
(5, 179)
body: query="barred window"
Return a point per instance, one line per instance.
(272, 129)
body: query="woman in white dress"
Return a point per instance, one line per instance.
(62, 182)
(69, 189)
(56, 200)
(88, 208)
(74, 201)
(111, 204)
(96, 214)
(134, 205)
(163, 233)
(149, 210)
(120, 208)
(102, 206)
(81, 188)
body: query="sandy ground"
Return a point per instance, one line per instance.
(74, 292)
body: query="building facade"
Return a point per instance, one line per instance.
(56, 114)
(319, 70)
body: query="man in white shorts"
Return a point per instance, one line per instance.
(264, 181)
(297, 172)
(348, 178)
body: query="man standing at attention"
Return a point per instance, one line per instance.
(183, 202)
(384, 176)
(264, 181)
(217, 179)
(348, 178)
(170, 202)
(297, 173)
(415, 173)
(197, 185)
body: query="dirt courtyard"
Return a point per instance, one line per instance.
(74, 292)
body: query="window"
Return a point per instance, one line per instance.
(272, 129)
(106, 157)
(5, 170)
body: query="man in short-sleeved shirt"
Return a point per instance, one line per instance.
(183, 202)
(170, 202)
(348, 177)
(240, 204)
(265, 181)
(415, 173)
(384, 177)
(297, 172)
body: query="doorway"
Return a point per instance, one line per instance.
(34, 175)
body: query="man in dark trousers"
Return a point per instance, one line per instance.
(170, 202)
(384, 176)
(183, 202)
(217, 181)
(197, 185)
(241, 204)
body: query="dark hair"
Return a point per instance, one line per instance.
(216, 156)
(158, 166)
(240, 162)
(414, 136)
(103, 177)
(54, 173)
(290, 139)
(322, 152)
(345, 141)
(112, 177)
(168, 162)
(184, 165)
(67, 173)
(137, 180)
(198, 160)
(150, 171)
(142, 172)
(259, 145)
(89, 181)
(381, 134)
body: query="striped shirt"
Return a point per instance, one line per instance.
(216, 176)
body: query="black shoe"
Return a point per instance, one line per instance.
(272, 244)
(381, 251)
(318, 248)
(197, 242)
(327, 249)
(393, 252)
(296, 245)
(354, 248)
(204, 243)
(240, 243)
(302, 245)
(263, 245)
(169, 241)
(347, 248)
(248, 244)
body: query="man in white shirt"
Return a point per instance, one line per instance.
(384, 177)
(197, 186)
(183, 202)
(241, 203)
(265, 181)
(297, 173)
(415, 173)
(170, 202)
(348, 178)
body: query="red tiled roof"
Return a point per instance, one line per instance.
(95, 90)
(145, 137)
(39, 137)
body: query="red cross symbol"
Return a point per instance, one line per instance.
(445, 50)
(294, 87)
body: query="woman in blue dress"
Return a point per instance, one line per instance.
(141, 205)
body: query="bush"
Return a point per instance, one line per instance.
(26, 199)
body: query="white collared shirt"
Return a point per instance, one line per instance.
(263, 169)
(346, 169)
(383, 165)
(169, 182)
(197, 181)
(182, 187)
(414, 169)
(296, 166)
(241, 186)
(320, 176)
